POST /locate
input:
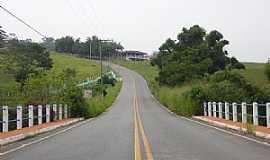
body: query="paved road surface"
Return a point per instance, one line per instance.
(137, 128)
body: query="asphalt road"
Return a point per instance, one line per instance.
(136, 127)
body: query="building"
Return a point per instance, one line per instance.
(136, 55)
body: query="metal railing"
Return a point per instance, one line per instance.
(12, 118)
(257, 114)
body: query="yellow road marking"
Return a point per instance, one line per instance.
(147, 146)
(137, 146)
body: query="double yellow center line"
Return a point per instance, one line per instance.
(139, 131)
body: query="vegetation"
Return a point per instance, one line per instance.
(267, 71)
(99, 104)
(171, 97)
(30, 75)
(222, 86)
(75, 46)
(178, 98)
(195, 54)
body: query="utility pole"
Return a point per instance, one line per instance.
(101, 65)
(101, 74)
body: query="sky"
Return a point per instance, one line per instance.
(144, 25)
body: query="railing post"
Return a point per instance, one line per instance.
(244, 112)
(54, 112)
(215, 109)
(65, 111)
(5, 119)
(227, 116)
(19, 117)
(204, 109)
(220, 110)
(255, 113)
(234, 106)
(39, 114)
(60, 111)
(48, 113)
(268, 114)
(209, 109)
(69, 112)
(30, 116)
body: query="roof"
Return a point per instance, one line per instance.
(135, 52)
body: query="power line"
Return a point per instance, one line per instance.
(22, 21)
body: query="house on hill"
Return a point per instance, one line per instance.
(136, 55)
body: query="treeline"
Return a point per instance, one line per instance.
(92, 44)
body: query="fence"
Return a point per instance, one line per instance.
(27, 116)
(258, 114)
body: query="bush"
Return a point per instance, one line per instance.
(228, 86)
(74, 98)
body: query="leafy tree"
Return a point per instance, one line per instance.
(48, 43)
(82, 48)
(235, 64)
(194, 54)
(25, 59)
(64, 44)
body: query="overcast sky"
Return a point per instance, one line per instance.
(144, 24)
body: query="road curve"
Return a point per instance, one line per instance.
(136, 127)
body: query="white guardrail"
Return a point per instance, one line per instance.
(38, 113)
(238, 112)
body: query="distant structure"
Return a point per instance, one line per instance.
(136, 55)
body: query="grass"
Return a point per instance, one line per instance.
(173, 97)
(255, 73)
(84, 69)
(168, 96)
(98, 105)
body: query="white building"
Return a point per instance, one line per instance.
(136, 55)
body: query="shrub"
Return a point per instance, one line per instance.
(74, 98)
(228, 86)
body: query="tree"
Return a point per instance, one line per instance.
(26, 59)
(64, 44)
(235, 64)
(3, 37)
(48, 43)
(82, 48)
(194, 54)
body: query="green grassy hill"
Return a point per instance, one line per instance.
(84, 68)
(255, 73)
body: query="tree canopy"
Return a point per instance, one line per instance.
(194, 54)
(70, 45)
(23, 58)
